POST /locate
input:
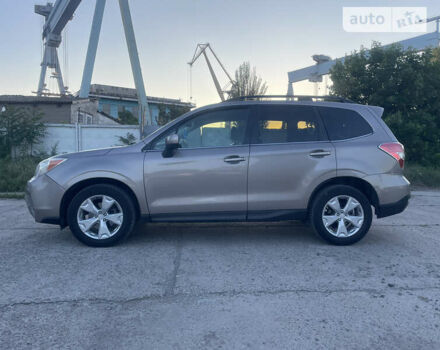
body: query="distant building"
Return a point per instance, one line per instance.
(59, 110)
(115, 99)
(53, 110)
(102, 106)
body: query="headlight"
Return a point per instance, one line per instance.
(44, 166)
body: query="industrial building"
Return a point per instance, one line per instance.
(102, 106)
(59, 110)
(115, 99)
(53, 110)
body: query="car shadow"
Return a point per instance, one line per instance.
(288, 232)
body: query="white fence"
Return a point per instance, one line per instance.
(79, 137)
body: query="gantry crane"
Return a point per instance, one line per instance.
(201, 49)
(325, 63)
(57, 15)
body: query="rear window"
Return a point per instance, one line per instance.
(282, 124)
(342, 124)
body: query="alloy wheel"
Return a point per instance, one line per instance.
(100, 217)
(343, 216)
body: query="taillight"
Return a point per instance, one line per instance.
(395, 150)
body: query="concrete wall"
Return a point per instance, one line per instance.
(77, 137)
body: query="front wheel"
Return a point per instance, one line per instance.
(101, 215)
(341, 214)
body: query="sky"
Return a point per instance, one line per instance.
(275, 36)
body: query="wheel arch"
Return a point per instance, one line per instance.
(80, 185)
(360, 184)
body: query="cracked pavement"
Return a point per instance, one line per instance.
(222, 286)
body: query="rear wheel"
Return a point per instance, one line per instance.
(341, 214)
(101, 215)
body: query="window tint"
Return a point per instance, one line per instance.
(221, 128)
(281, 124)
(342, 124)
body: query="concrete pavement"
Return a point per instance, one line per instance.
(223, 286)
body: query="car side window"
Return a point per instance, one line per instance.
(287, 123)
(342, 124)
(217, 128)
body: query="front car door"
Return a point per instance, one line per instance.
(289, 156)
(206, 178)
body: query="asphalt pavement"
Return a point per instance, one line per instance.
(222, 286)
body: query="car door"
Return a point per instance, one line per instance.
(289, 156)
(206, 178)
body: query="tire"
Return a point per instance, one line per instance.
(101, 224)
(354, 214)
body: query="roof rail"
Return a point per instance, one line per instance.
(290, 98)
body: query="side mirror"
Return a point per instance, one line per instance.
(171, 144)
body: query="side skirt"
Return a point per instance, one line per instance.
(257, 215)
(277, 215)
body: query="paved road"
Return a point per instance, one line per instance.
(222, 286)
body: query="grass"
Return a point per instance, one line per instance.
(11, 195)
(421, 176)
(14, 173)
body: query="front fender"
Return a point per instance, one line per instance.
(136, 187)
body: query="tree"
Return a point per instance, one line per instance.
(20, 130)
(127, 118)
(406, 84)
(170, 112)
(247, 82)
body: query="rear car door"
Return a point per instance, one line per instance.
(355, 142)
(289, 156)
(206, 179)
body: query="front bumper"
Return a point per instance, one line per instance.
(43, 198)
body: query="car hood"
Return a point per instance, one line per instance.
(90, 153)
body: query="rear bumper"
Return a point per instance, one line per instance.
(393, 193)
(390, 188)
(43, 197)
(392, 208)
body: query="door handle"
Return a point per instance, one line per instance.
(233, 159)
(319, 153)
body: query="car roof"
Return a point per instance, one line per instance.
(346, 105)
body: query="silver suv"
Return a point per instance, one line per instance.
(322, 160)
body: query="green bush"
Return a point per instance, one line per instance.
(406, 83)
(169, 113)
(127, 118)
(423, 176)
(20, 130)
(14, 173)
